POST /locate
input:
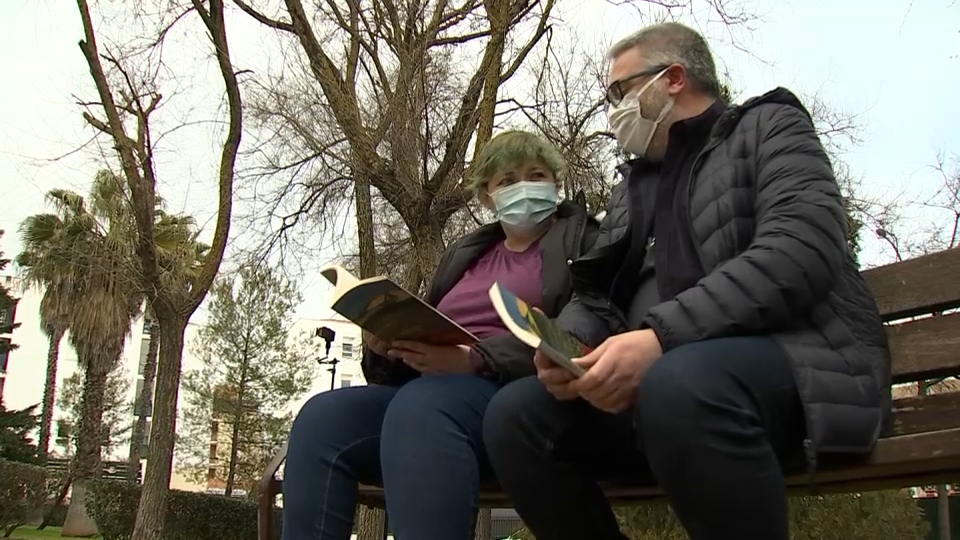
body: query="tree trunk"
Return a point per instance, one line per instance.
(146, 402)
(943, 511)
(235, 436)
(370, 522)
(368, 253)
(49, 391)
(427, 239)
(482, 531)
(89, 442)
(156, 479)
(61, 495)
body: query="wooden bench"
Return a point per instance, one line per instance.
(924, 445)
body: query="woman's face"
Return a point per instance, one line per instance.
(531, 172)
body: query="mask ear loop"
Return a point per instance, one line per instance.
(663, 112)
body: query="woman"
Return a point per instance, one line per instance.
(417, 429)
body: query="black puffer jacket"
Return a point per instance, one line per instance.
(510, 359)
(769, 228)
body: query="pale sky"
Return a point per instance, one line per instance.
(896, 64)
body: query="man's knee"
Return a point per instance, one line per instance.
(692, 385)
(510, 417)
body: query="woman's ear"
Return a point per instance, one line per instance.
(485, 198)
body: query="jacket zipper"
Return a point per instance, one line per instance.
(810, 452)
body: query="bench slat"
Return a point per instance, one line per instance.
(916, 286)
(925, 348)
(926, 413)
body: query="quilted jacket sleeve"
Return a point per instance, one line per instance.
(583, 323)
(797, 251)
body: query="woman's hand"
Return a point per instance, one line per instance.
(431, 359)
(375, 344)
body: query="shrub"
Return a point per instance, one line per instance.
(190, 516)
(847, 516)
(22, 492)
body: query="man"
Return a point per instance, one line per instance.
(734, 337)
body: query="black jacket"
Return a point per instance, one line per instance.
(510, 359)
(768, 224)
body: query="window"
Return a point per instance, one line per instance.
(213, 453)
(4, 353)
(345, 382)
(214, 430)
(8, 316)
(145, 440)
(148, 325)
(346, 350)
(144, 349)
(211, 473)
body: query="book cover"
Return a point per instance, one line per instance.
(537, 330)
(386, 310)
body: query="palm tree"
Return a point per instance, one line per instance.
(180, 257)
(53, 322)
(87, 255)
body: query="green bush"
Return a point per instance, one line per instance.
(190, 516)
(23, 489)
(848, 516)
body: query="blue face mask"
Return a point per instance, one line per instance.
(526, 204)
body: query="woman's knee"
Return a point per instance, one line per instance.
(437, 397)
(340, 414)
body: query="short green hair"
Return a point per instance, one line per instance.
(511, 149)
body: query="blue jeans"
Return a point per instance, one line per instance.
(422, 442)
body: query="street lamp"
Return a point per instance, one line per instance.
(328, 335)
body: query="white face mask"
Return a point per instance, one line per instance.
(632, 130)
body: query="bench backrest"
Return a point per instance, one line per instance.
(922, 288)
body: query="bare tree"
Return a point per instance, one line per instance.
(405, 119)
(123, 114)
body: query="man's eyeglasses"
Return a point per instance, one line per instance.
(619, 89)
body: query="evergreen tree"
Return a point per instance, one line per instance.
(15, 429)
(7, 304)
(252, 370)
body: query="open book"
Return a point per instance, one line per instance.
(537, 330)
(384, 309)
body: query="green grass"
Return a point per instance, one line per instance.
(30, 532)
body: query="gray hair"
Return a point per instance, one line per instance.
(674, 43)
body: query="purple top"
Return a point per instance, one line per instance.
(468, 302)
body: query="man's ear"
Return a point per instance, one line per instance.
(676, 77)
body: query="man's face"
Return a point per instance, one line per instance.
(628, 73)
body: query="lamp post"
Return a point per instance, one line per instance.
(328, 335)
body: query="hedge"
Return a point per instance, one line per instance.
(190, 515)
(23, 488)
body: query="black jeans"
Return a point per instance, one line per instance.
(715, 424)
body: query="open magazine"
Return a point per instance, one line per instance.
(387, 311)
(537, 330)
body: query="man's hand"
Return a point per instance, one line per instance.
(554, 378)
(431, 359)
(615, 369)
(375, 344)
